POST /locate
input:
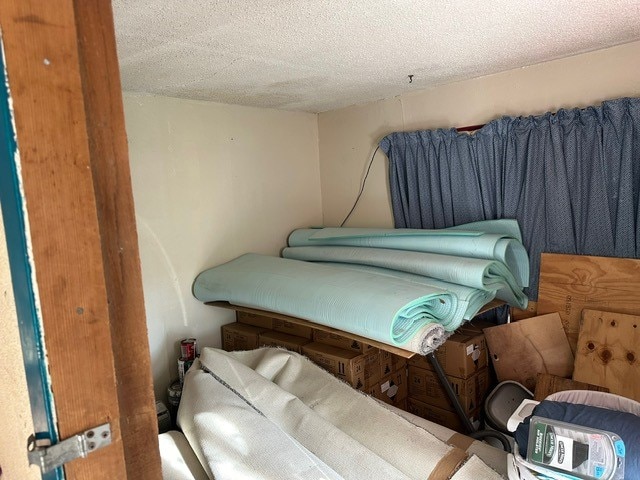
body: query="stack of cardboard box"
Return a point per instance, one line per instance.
(253, 331)
(379, 373)
(464, 359)
(392, 386)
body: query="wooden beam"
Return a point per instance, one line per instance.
(72, 206)
(108, 148)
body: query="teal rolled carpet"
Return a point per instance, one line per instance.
(386, 309)
(476, 273)
(498, 240)
(470, 300)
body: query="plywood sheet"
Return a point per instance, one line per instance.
(548, 384)
(522, 349)
(571, 283)
(519, 314)
(608, 352)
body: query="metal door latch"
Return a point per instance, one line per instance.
(49, 457)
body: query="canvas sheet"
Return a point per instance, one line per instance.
(179, 462)
(494, 457)
(290, 416)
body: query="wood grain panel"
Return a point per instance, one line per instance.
(104, 113)
(571, 283)
(78, 284)
(530, 311)
(548, 384)
(609, 352)
(521, 350)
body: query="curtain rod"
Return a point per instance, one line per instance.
(470, 128)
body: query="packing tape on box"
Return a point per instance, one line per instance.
(461, 441)
(448, 464)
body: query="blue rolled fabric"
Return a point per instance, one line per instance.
(390, 310)
(624, 424)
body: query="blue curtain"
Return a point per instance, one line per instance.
(571, 179)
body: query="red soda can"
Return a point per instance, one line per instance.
(188, 348)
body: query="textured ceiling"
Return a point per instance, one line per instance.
(318, 55)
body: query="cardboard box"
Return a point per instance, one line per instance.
(392, 388)
(390, 362)
(256, 320)
(371, 372)
(272, 338)
(440, 416)
(340, 341)
(402, 404)
(345, 364)
(238, 336)
(463, 354)
(292, 328)
(425, 386)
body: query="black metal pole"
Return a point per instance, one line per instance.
(450, 393)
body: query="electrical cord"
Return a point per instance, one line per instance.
(364, 181)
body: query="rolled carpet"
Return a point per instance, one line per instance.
(501, 242)
(427, 339)
(472, 272)
(432, 335)
(390, 310)
(470, 300)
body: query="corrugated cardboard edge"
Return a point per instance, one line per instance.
(449, 464)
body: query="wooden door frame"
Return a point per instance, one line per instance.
(64, 82)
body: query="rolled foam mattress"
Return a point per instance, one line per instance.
(501, 241)
(470, 300)
(472, 272)
(390, 310)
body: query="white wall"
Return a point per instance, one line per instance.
(210, 183)
(348, 136)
